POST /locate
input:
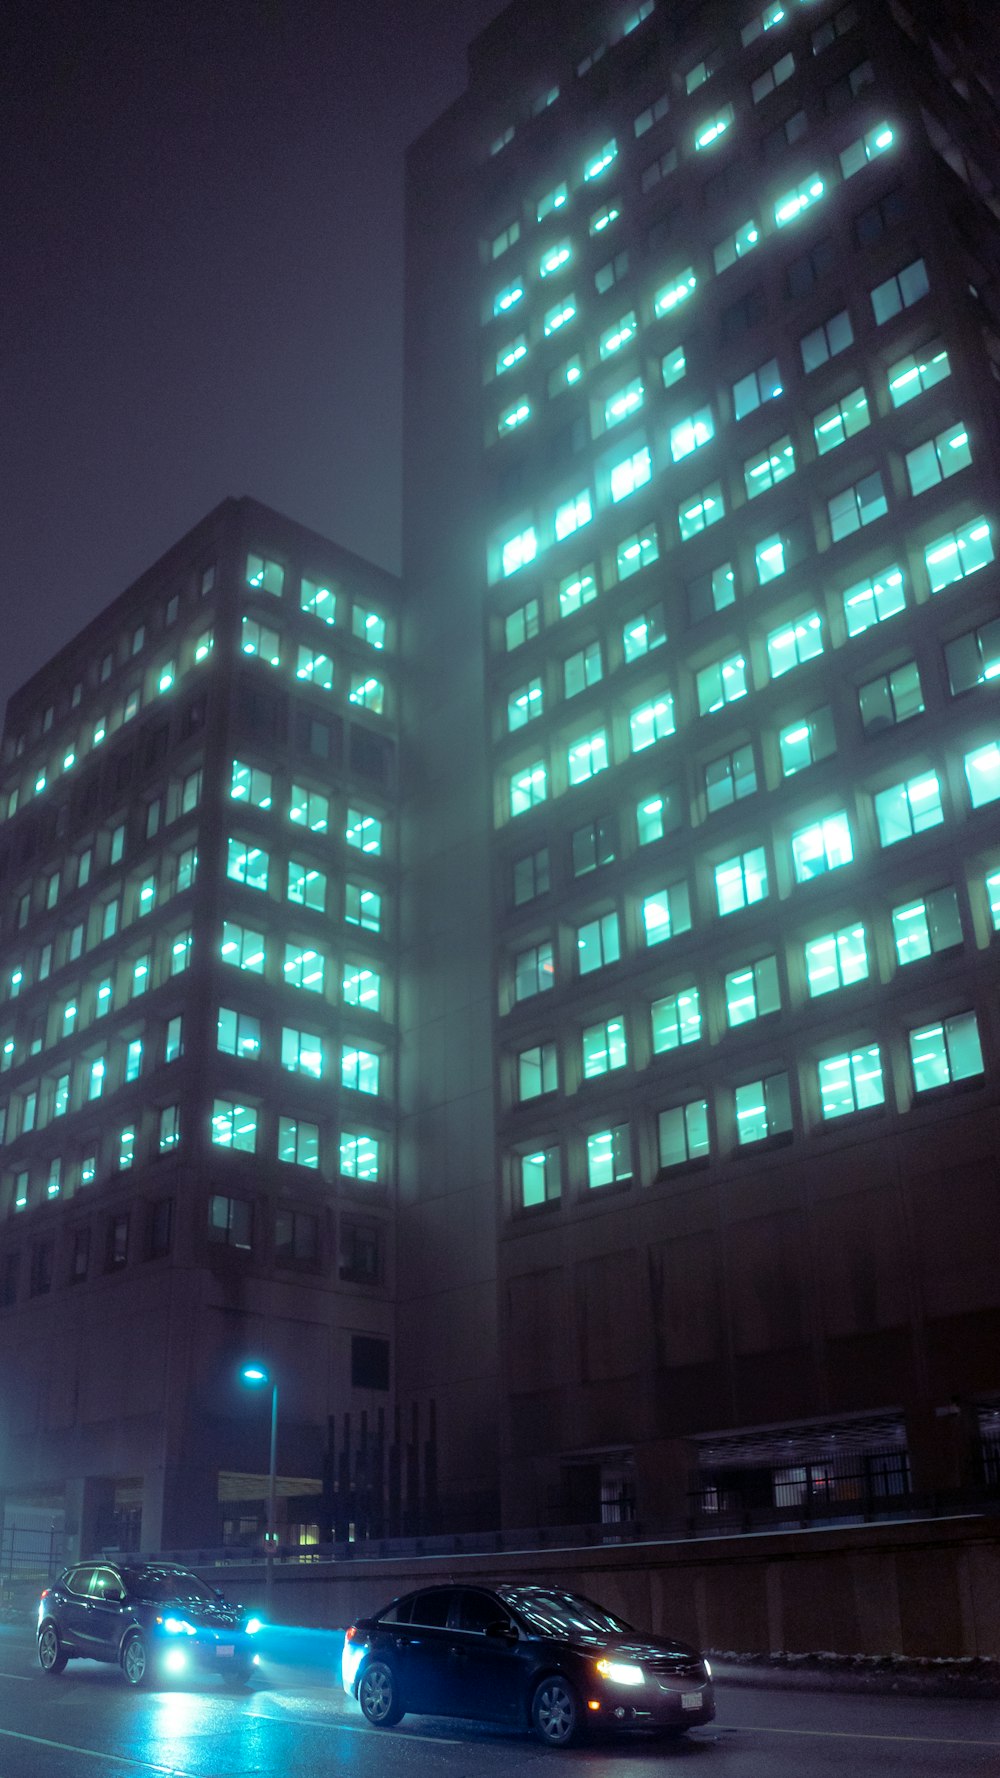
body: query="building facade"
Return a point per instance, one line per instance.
(702, 495)
(199, 1052)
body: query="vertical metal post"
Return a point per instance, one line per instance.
(272, 1526)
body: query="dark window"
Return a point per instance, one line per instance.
(871, 223)
(360, 1252)
(369, 1362)
(372, 755)
(739, 317)
(432, 1608)
(809, 268)
(122, 774)
(531, 876)
(117, 1242)
(593, 845)
(156, 745)
(784, 134)
(9, 1279)
(296, 1237)
(477, 1611)
(80, 1261)
(193, 717)
(40, 1278)
(729, 182)
(230, 1221)
(568, 440)
(159, 1228)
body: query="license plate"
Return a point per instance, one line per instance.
(225, 1648)
(690, 1700)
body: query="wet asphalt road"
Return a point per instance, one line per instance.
(298, 1724)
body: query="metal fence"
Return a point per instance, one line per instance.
(29, 1557)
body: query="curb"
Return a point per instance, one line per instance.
(939, 1680)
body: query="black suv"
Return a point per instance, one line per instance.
(154, 1619)
(530, 1655)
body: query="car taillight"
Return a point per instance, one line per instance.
(45, 1592)
(350, 1633)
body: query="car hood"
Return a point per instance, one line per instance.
(209, 1613)
(649, 1649)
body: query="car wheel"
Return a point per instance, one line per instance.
(136, 1664)
(378, 1696)
(52, 1657)
(555, 1713)
(237, 1678)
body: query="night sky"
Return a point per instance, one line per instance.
(202, 278)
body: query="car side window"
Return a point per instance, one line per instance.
(106, 1585)
(79, 1580)
(477, 1611)
(432, 1608)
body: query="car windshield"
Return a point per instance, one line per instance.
(564, 1614)
(166, 1584)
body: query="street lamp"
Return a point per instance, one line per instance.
(254, 1375)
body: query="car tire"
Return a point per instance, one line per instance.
(238, 1678)
(52, 1657)
(555, 1713)
(378, 1695)
(136, 1664)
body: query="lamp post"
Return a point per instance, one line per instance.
(255, 1374)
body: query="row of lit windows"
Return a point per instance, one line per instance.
(743, 881)
(971, 659)
(940, 1053)
(311, 666)
(307, 807)
(320, 600)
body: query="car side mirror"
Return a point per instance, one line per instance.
(502, 1631)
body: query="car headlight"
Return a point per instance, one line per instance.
(708, 1670)
(252, 1625)
(177, 1626)
(620, 1672)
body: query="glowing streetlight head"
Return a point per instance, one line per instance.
(254, 1373)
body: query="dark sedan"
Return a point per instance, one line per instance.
(152, 1619)
(533, 1656)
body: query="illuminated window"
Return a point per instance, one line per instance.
(676, 1020)
(133, 1059)
(508, 297)
(923, 927)
(306, 885)
(238, 1034)
(360, 1154)
(792, 204)
(203, 646)
(234, 1126)
(555, 199)
(974, 658)
(314, 669)
(763, 1108)
(249, 784)
(702, 71)
(793, 644)
(900, 291)
(871, 601)
(705, 509)
(304, 968)
(851, 1082)
(361, 987)
(539, 1177)
(982, 771)
(752, 992)
(528, 787)
(729, 778)
(958, 554)
(298, 1142)
(367, 691)
(683, 1133)
(769, 467)
(614, 338)
(910, 376)
(673, 366)
(632, 473)
(309, 808)
(712, 128)
(247, 864)
(945, 1052)
(892, 697)
(560, 315)
(362, 907)
(537, 1071)
(636, 552)
(554, 258)
(938, 458)
(180, 952)
(805, 742)
(825, 342)
(723, 682)
(359, 1069)
(301, 1052)
(521, 625)
(126, 1148)
(741, 881)
(651, 721)
(833, 425)
(145, 900)
(992, 885)
(140, 978)
(95, 1078)
(517, 551)
(242, 947)
(573, 514)
(515, 416)
(624, 402)
(173, 1038)
(643, 633)
(586, 757)
(604, 1047)
(736, 245)
(597, 943)
(534, 971)
(908, 808)
(511, 353)
(867, 148)
(762, 384)
(822, 846)
(368, 626)
(691, 433)
(666, 913)
(676, 292)
(576, 590)
(857, 506)
(836, 960)
(603, 218)
(600, 162)
(267, 577)
(258, 640)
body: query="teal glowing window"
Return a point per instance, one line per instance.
(319, 601)
(712, 128)
(247, 864)
(722, 682)
(836, 960)
(368, 626)
(705, 509)
(900, 291)
(257, 639)
(601, 161)
(360, 1154)
(234, 1125)
(673, 366)
(534, 971)
(169, 1133)
(624, 403)
(517, 551)
(511, 353)
(242, 947)
(631, 474)
(582, 669)
(298, 1142)
(857, 506)
(644, 632)
(572, 514)
(359, 1069)
(672, 295)
(363, 831)
(604, 1047)
(938, 458)
(302, 1052)
(537, 1071)
(249, 784)
(958, 554)
(982, 772)
(180, 952)
(908, 808)
(794, 644)
(651, 721)
(691, 433)
(752, 992)
(309, 808)
(923, 927)
(560, 315)
(265, 576)
(741, 881)
(528, 787)
(892, 697)
(556, 199)
(238, 1034)
(306, 885)
(736, 246)
(803, 743)
(515, 416)
(793, 204)
(614, 338)
(304, 968)
(729, 778)
(597, 943)
(508, 297)
(867, 148)
(683, 1133)
(363, 907)
(666, 913)
(554, 259)
(823, 846)
(676, 1020)
(367, 692)
(872, 601)
(767, 468)
(539, 1177)
(576, 590)
(763, 1109)
(945, 1052)
(851, 1082)
(522, 624)
(609, 1157)
(314, 669)
(133, 1059)
(910, 376)
(361, 986)
(637, 551)
(834, 425)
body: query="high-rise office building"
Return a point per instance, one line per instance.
(198, 1049)
(702, 506)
